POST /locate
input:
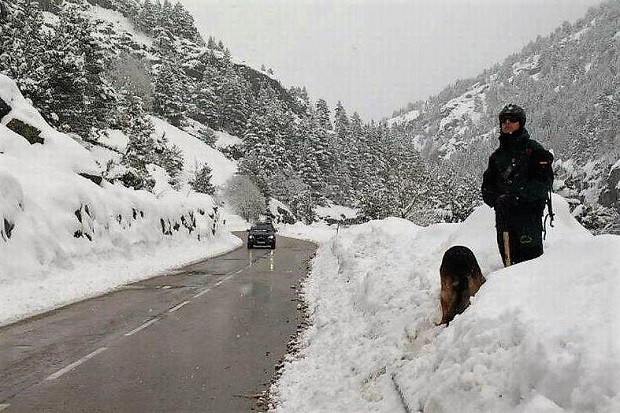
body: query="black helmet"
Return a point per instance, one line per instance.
(512, 110)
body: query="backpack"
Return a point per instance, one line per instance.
(544, 170)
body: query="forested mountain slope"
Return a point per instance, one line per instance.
(99, 66)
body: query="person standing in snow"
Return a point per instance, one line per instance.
(516, 184)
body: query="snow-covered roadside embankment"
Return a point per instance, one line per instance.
(65, 234)
(540, 336)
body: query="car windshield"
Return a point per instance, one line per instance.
(262, 227)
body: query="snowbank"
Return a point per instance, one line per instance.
(540, 336)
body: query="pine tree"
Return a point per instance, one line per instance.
(183, 25)
(168, 93)
(169, 157)
(356, 127)
(133, 120)
(147, 18)
(363, 159)
(202, 180)
(300, 94)
(22, 44)
(321, 148)
(141, 146)
(164, 42)
(233, 101)
(323, 115)
(165, 17)
(102, 99)
(341, 121)
(304, 158)
(301, 201)
(203, 103)
(68, 87)
(66, 101)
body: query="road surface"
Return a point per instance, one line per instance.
(204, 338)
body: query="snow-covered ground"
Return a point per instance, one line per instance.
(64, 238)
(540, 336)
(196, 153)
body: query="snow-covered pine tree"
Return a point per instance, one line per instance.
(341, 121)
(147, 17)
(319, 144)
(169, 90)
(211, 43)
(203, 103)
(300, 96)
(233, 100)
(133, 120)
(21, 47)
(300, 200)
(164, 17)
(323, 115)
(169, 157)
(302, 152)
(183, 24)
(102, 98)
(66, 101)
(266, 131)
(202, 180)
(141, 146)
(362, 159)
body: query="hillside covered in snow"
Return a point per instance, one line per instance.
(71, 234)
(540, 336)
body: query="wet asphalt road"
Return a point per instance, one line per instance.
(204, 338)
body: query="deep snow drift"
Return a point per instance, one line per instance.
(540, 336)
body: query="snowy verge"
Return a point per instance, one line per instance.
(317, 232)
(101, 272)
(540, 336)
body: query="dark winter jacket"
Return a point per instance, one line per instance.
(520, 167)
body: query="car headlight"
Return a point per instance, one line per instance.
(250, 236)
(271, 237)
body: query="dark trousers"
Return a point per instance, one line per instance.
(525, 236)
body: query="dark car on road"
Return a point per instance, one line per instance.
(262, 234)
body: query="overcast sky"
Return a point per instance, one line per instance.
(377, 55)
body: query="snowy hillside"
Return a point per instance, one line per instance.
(540, 336)
(62, 225)
(195, 153)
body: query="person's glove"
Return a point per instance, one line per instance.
(506, 202)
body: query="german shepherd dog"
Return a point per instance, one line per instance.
(460, 279)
